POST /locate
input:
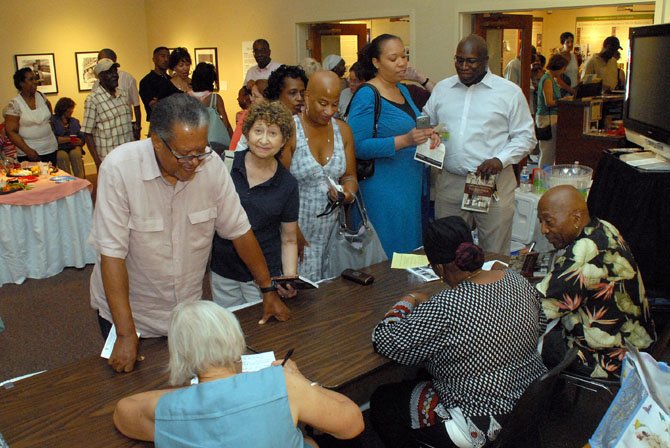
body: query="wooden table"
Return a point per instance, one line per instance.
(330, 330)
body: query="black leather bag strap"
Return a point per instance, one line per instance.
(378, 106)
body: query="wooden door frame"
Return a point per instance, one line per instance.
(316, 30)
(523, 23)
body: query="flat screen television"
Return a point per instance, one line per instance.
(646, 113)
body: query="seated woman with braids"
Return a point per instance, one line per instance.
(477, 339)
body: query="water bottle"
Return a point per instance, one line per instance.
(525, 180)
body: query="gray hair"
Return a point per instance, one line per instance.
(177, 108)
(202, 334)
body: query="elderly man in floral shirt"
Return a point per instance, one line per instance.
(594, 288)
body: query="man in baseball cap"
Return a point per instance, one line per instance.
(604, 64)
(107, 115)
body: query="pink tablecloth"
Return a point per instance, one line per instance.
(45, 190)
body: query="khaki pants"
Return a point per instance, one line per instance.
(71, 161)
(495, 227)
(227, 292)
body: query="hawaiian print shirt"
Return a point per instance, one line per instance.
(597, 292)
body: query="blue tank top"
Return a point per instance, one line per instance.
(249, 409)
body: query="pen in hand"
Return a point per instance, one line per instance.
(288, 355)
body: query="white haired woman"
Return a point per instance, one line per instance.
(226, 407)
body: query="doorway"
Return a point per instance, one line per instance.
(336, 38)
(347, 37)
(508, 37)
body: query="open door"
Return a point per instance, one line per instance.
(325, 38)
(507, 36)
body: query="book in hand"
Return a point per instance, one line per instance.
(426, 273)
(296, 281)
(478, 192)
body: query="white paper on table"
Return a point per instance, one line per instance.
(234, 308)
(109, 343)
(489, 264)
(406, 261)
(258, 361)
(433, 157)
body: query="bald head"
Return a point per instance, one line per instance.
(472, 59)
(563, 214)
(564, 198)
(322, 97)
(324, 82)
(107, 53)
(473, 44)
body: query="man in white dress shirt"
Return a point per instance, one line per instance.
(490, 128)
(265, 66)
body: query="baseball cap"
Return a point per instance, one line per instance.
(612, 42)
(103, 65)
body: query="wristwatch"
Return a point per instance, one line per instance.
(271, 288)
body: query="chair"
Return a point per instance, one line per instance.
(522, 427)
(590, 384)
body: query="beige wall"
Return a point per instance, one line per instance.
(435, 29)
(134, 27)
(278, 22)
(561, 20)
(65, 26)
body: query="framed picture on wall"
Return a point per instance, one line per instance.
(210, 56)
(44, 66)
(85, 62)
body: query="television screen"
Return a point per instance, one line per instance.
(649, 84)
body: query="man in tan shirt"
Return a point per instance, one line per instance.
(159, 202)
(604, 64)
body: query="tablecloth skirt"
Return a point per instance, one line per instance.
(39, 241)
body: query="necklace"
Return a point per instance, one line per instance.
(477, 272)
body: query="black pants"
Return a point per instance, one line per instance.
(43, 158)
(390, 416)
(554, 349)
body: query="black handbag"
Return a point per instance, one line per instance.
(365, 168)
(543, 133)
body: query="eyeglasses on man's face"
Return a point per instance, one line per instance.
(469, 61)
(200, 156)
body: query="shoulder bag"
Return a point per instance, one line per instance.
(217, 135)
(352, 248)
(365, 168)
(544, 133)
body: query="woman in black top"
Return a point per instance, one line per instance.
(269, 195)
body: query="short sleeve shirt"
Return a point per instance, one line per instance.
(107, 117)
(163, 232)
(269, 204)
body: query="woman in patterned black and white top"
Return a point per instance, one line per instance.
(478, 340)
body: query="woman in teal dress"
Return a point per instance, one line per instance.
(393, 194)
